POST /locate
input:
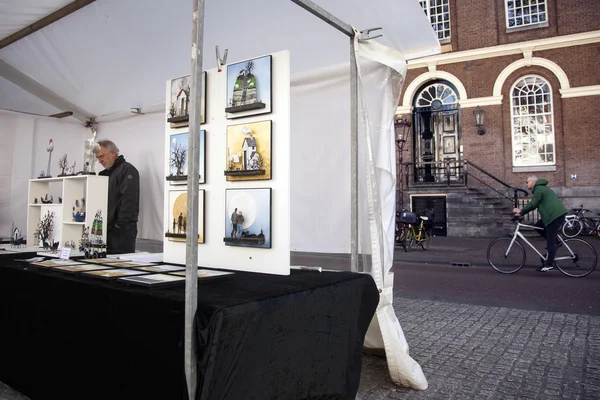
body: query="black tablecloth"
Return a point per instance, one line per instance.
(259, 336)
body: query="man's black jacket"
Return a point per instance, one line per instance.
(123, 193)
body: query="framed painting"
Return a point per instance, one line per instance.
(178, 108)
(248, 156)
(449, 143)
(248, 217)
(176, 231)
(249, 85)
(448, 122)
(178, 158)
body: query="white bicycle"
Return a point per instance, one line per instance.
(574, 257)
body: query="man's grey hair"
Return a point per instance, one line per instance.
(532, 178)
(109, 146)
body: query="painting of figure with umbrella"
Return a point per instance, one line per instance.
(248, 217)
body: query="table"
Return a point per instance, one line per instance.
(258, 336)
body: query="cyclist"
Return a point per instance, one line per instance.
(552, 212)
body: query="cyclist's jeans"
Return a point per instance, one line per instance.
(550, 233)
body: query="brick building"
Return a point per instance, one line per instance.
(530, 66)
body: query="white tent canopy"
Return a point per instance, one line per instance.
(113, 55)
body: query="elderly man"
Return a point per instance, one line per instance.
(552, 212)
(123, 198)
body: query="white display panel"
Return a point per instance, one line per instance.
(214, 252)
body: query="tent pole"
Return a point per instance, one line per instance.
(353, 159)
(191, 248)
(348, 30)
(319, 12)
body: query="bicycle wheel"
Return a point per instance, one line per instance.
(408, 238)
(425, 238)
(412, 238)
(403, 237)
(576, 258)
(504, 260)
(572, 228)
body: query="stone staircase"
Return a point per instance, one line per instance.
(473, 212)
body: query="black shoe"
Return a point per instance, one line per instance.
(547, 268)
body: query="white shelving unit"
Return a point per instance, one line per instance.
(70, 188)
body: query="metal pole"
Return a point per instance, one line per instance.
(191, 256)
(353, 159)
(349, 31)
(319, 12)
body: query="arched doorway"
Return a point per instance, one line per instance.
(437, 140)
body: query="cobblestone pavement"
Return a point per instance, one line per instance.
(478, 352)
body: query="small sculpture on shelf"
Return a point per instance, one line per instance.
(35, 200)
(97, 224)
(16, 240)
(45, 200)
(70, 244)
(79, 210)
(49, 149)
(62, 164)
(90, 150)
(45, 228)
(65, 170)
(91, 244)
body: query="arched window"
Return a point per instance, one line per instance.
(532, 122)
(436, 95)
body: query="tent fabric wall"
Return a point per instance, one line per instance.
(319, 164)
(140, 139)
(23, 156)
(381, 74)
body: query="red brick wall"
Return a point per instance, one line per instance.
(580, 63)
(480, 29)
(482, 23)
(581, 120)
(575, 16)
(487, 150)
(479, 76)
(576, 120)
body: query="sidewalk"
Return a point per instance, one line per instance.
(476, 352)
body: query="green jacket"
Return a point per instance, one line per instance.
(546, 201)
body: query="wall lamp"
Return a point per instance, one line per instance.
(479, 119)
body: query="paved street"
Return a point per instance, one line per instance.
(479, 352)
(479, 334)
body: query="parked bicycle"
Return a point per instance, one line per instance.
(414, 231)
(574, 257)
(576, 223)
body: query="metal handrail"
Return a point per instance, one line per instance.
(515, 190)
(458, 174)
